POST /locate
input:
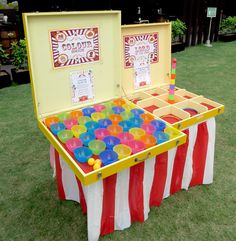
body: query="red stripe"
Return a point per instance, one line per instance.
(82, 198)
(61, 192)
(178, 168)
(199, 154)
(159, 179)
(136, 193)
(108, 206)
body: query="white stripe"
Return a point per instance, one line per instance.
(52, 160)
(122, 212)
(171, 158)
(69, 182)
(208, 172)
(94, 198)
(188, 169)
(149, 166)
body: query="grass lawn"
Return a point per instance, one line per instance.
(30, 209)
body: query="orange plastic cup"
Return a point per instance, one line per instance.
(76, 114)
(119, 102)
(114, 129)
(122, 150)
(148, 140)
(51, 120)
(146, 118)
(115, 118)
(137, 133)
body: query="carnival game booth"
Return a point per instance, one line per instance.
(148, 80)
(92, 89)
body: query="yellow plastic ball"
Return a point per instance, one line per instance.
(91, 161)
(96, 166)
(98, 161)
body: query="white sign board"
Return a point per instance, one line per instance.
(211, 12)
(82, 86)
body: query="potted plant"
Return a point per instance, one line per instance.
(228, 29)
(177, 35)
(20, 74)
(5, 79)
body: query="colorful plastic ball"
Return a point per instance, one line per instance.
(91, 161)
(96, 166)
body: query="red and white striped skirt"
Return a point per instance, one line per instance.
(127, 196)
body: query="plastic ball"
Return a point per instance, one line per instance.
(98, 161)
(96, 166)
(91, 161)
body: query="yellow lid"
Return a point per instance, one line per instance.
(160, 34)
(51, 70)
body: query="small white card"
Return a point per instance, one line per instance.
(141, 72)
(82, 86)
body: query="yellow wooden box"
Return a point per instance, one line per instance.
(50, 81)
(156, 92)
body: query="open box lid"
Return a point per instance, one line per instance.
(138, 42)
(73, 54)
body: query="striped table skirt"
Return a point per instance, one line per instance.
(127, 196)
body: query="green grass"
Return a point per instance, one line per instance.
(30, 209)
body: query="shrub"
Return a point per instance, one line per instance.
(3, 56)
(178, 29)
(228, 25)
(19, 54)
